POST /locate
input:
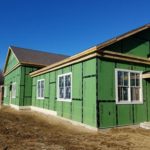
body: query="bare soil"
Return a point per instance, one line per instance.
(26, 130)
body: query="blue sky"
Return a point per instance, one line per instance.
(66, 26)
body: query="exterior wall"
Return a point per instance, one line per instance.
(26, 86)
(12, 61)
(83, 105)
(10, 78)
(132, 46)
(110, 113)
(23, 86)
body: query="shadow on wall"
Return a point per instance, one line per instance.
(130, 44)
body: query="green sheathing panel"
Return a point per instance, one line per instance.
(26, 86)
(14, 76)
(125, 115)
(89, 92)
(52, 93)
(67, 107)
(111, 114)
(89, 106)
(59, 104)
(77, 103)
(83, 105)
(108, 117)
(132, 45)
(148, 99)
(12, 61)
(106, 77)
(136, 47)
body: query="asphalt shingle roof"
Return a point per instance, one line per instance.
(36, 57)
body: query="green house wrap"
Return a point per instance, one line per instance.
(105, 86)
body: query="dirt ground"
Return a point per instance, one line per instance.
(26, 130)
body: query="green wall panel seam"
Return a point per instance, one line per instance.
(82, 95)
(116, 105)
(97, 102)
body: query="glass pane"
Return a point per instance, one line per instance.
(135, 94)
(38, 84)
(39, 88)
(42, 84)
(122, 93)
(132, 79)
(61, 81)
(61, 93)
(42, 92)
(120, 78)
(125, 93)
(68, 93)
(119, 93)
(125, 78)
(67, 80)
(137, 79)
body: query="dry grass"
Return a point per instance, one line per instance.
(26, 130)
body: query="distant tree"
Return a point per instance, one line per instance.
(1, 77)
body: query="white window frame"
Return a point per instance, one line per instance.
(64, 99)
(129, 89)
(12, 90)
(40, 97)
(5, 91)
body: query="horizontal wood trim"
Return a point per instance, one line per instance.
(102, 54)
(12, 69)
(146, 76)
(124, 57)
(60, 65)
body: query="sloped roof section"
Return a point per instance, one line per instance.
(36, 57)
(122, 36)
(97, 48)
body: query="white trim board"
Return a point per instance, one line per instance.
(76, 123)
(20, 107)
(44, 111)
(53, 113)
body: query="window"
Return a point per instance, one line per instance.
(14, 90)
(128, 86)
(64, 90)
(40, 89)
(5, 91)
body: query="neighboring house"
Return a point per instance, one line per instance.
(17, 82)
(105, 86)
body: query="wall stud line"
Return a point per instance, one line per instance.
(82, 93)
(55, 91)
(24, 84)
(97, 102)
(116, 105)
(49, 91)
(71, 93)
(146, 98)
(62, 101)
